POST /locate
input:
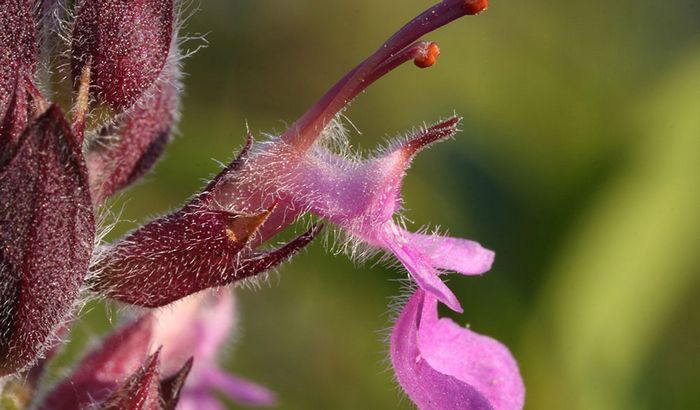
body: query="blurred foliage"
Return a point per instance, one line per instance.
(578, 163)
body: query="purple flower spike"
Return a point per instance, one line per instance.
(17, 64)
(300, 173)
(199, 327)
(441, 365)
(46, 236)
(100, 372)
(126, 44)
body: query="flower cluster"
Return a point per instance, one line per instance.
(56, 172)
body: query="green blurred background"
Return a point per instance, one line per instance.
(578, 163)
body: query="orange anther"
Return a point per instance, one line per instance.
(428, 57)
(476, 6)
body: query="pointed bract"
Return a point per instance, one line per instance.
(101, 371)
(17, 64)
(141, 391)
(184, 253)
(441, 365)
(127, 149)
(46, 236)
(126, 43)
(171, 387)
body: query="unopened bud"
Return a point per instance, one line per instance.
(46, 236)
(127, 43)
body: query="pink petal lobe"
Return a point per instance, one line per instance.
(198, 401)
(198, 326)
(238, 389)
(455, 254)
(419, 266)
(441, 365)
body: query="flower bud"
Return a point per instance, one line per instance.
(46, 236)
(129, 148)
(125, 42)
(17, 64)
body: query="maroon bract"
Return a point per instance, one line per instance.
(99, 373)
(141, 391)
(46, 236)
(126, 44)
(125, 150)
(17, 64)
(171, 387)
(183, 253)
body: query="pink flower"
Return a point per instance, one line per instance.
(199, 327)
(213, 240)
(298, 172)
(441, 365)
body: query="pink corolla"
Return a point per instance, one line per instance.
(300, 173)
(199, 327)
(275, 182)
(441, 365)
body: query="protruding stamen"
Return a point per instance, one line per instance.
(81, 104)
(417, 51)
(307, 129)
(475, 6)
(429, 57)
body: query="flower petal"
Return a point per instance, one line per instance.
(456, 254)
(199, 326)
(237, 389)
(419, 266)
(443, 366)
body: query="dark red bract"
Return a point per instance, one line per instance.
(18, 55)
(46, 236)
(125, 42)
